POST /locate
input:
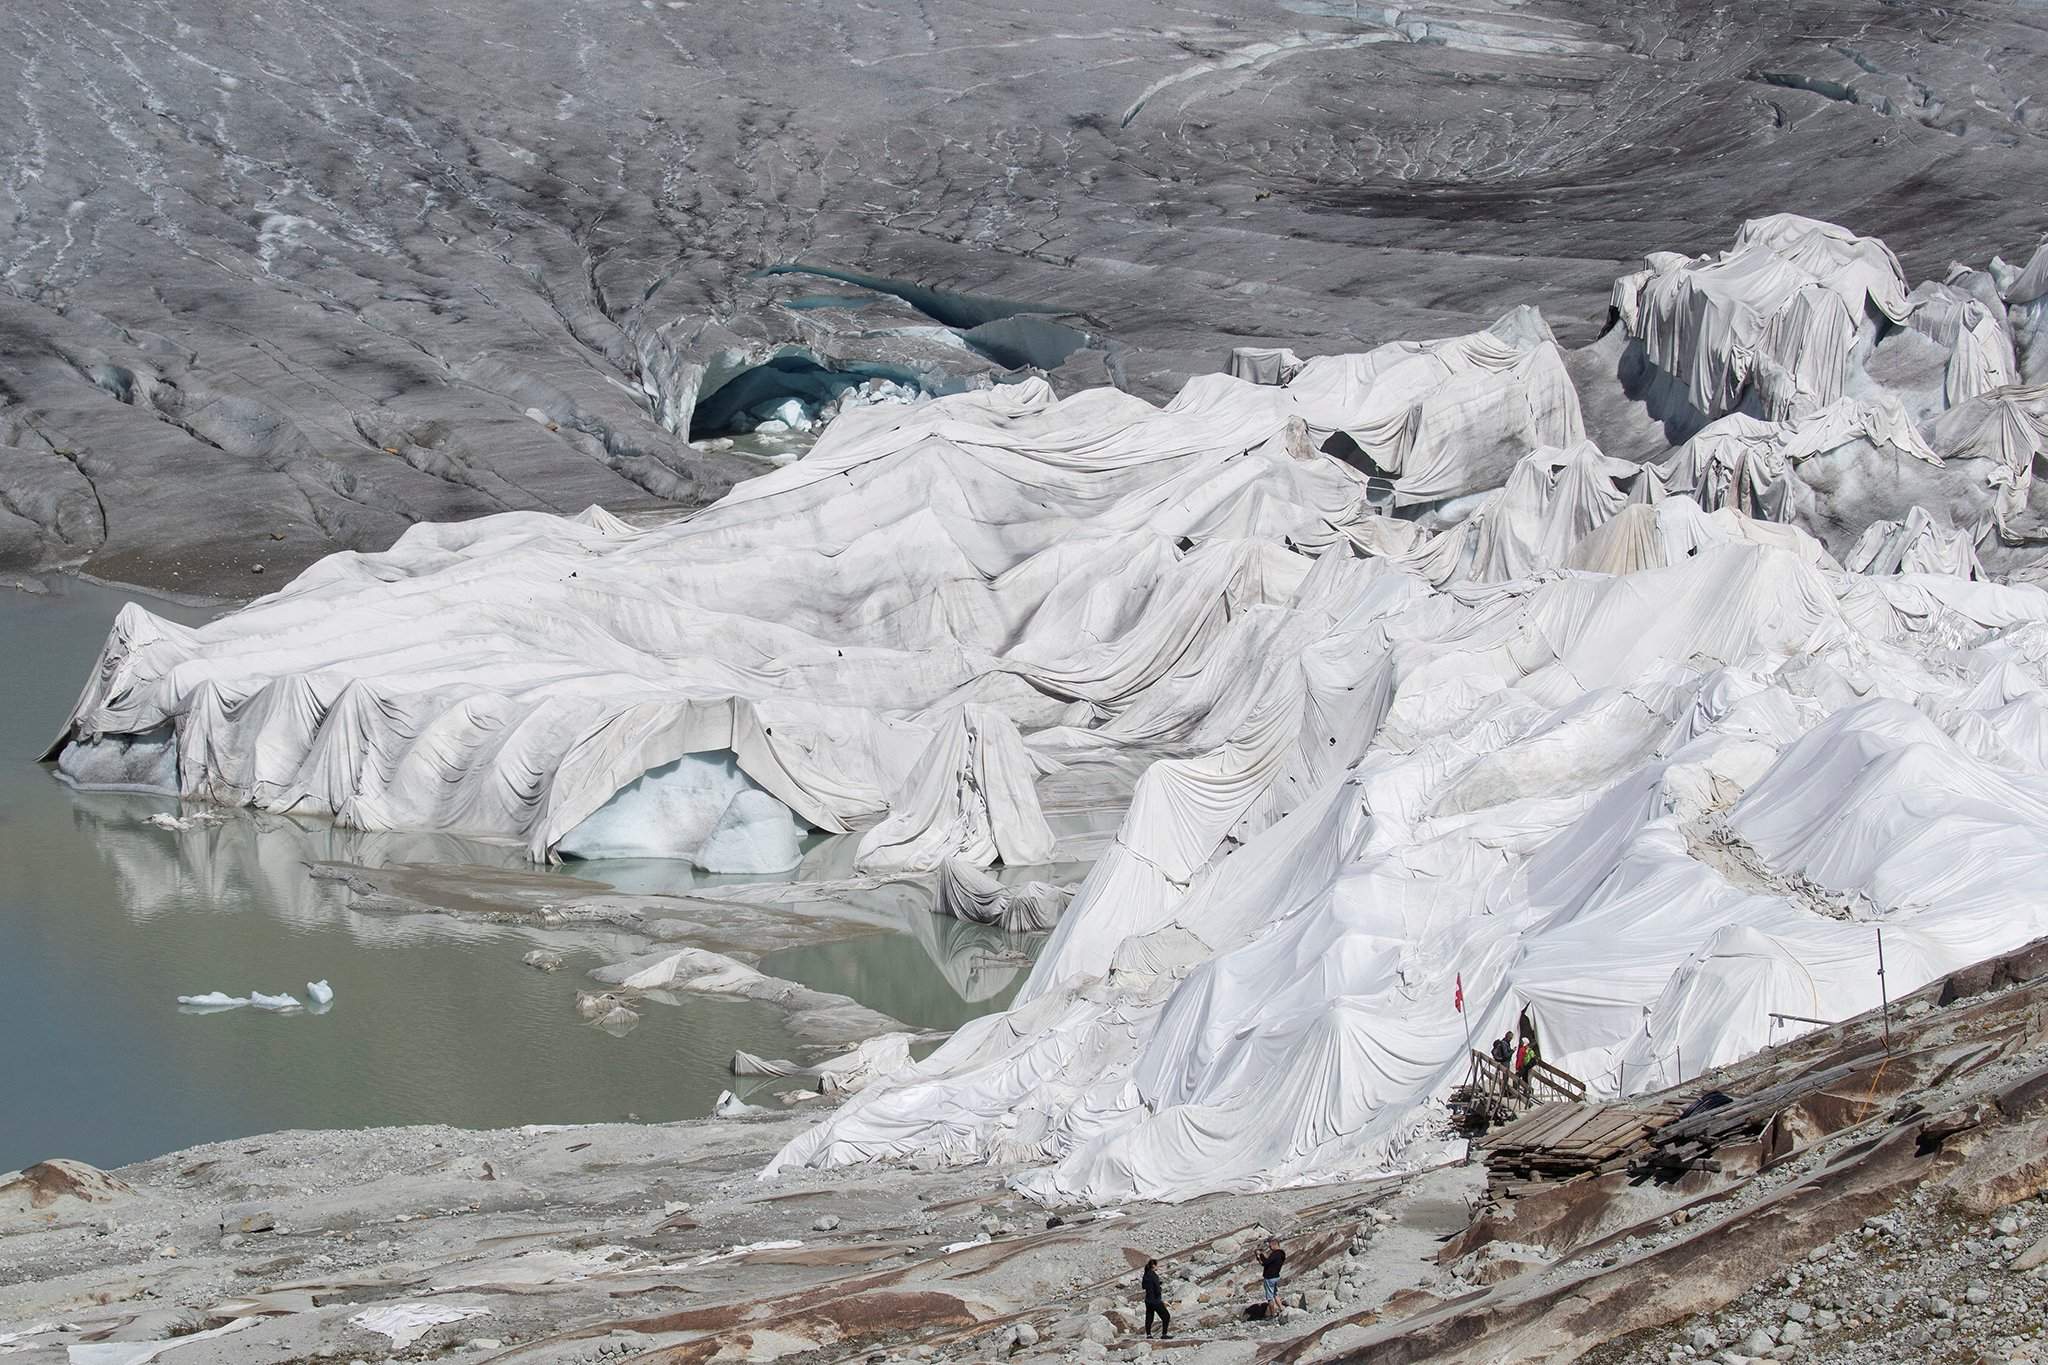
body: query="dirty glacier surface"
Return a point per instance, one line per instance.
(1634, 685)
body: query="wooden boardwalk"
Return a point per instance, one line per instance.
(1560, 1141)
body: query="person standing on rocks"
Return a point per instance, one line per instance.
(1270, 1260)
(1155, 1301)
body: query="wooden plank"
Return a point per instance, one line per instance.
(1535, 1121)
(1617, 1128)
(1590, 1136)
(1601, 1132)
(1562, 1133)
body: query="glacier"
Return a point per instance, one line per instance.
(1636, 687)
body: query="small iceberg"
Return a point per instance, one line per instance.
(321, 992)
(731, 1106)
(213, 1000)
(192, 821)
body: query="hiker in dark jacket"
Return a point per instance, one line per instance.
(1504, 1048)
(1155, 1301)
(1270, 1261)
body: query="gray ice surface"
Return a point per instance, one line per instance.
(281, 279)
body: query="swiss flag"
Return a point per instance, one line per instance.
(1458, 1001)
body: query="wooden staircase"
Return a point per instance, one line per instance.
(1492, 1094)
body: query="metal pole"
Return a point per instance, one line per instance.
(1884, 993)
(1679, 1051)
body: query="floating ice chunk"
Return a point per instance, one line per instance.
(731, 1106)
(147, 762)
(184, 822)
(620, 1020)
(213, 1000)
(691, 809)
(788, 414)
(274, 1002)
(320, 992)
(593, 1004)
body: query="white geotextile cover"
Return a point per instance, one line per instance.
(2006, 430)
(1917, 544)
(926, 577)
(1776, 315)
(1675, 528)
(1443, 418)
(1262, 364)
(973, 796)
(1975, 334)
(1604, 799)
(966, 892)
(1750, 464)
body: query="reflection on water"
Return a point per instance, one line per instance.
(250, 858)
(105, 919)
(981, 969)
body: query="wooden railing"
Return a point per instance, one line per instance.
(1542, 1080)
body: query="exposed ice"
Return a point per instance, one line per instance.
(145, 762)
(731, 1106)
(180, 823)
(755, 833)
(214, 1000)
(700, 807)
(221, 1000)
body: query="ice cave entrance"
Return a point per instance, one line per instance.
(1012, 334)
(796, 391)
(700, 808)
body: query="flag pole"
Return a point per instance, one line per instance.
(1459, 1001)
(1883, 992)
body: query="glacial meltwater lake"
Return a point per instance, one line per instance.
(105, 920)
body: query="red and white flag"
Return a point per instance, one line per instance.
(1458, 1001)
